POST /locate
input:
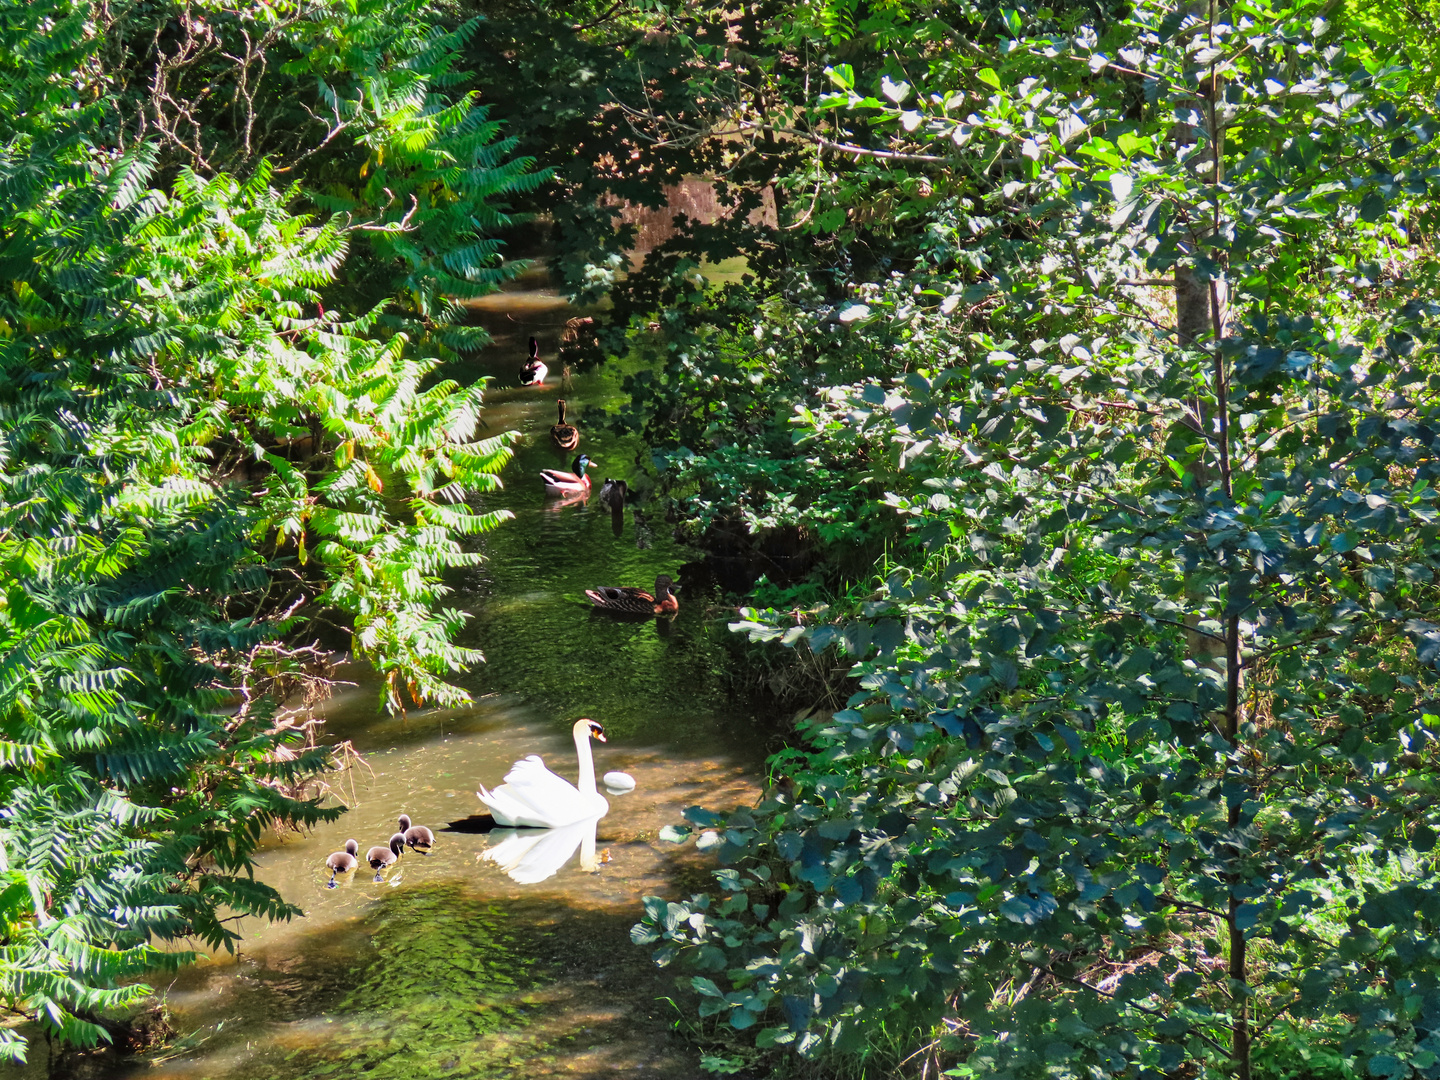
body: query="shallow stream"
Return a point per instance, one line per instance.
(449, 968)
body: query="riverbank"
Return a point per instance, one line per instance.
(449, 967)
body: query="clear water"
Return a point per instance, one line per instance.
(449, 968)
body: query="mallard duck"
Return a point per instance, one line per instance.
(558, 482)
(613, 494)
(632, 601)
(418, 837)
(562, 434)
(342, 862)
(534, 371)
(381, 857)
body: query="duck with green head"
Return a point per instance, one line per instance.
(559, 482)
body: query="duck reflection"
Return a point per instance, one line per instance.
(555, 502)
(530, 856)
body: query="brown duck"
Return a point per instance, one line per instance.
(562, 434)
(632, 601)
(614, 493)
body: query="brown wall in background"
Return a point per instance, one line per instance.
(694, 198)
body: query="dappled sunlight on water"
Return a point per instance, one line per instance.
(448, 960)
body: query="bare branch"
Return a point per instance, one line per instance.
(401, 226)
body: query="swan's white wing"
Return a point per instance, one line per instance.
(538, 856)
(532, 795)
(537, 784)
(508, 810)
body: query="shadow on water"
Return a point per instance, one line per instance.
(447, 967)
(441, 982)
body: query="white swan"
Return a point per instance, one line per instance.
(534, 797)
(531, 857)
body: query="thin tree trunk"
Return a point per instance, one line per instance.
(1192, 323)
(1240, 1039)
(1192, 308)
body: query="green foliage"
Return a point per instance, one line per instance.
(426, 166)
(659, 93)
(1149, 687)
(134, 792)
(1296, 1051)
(376, 495)
(202, 469)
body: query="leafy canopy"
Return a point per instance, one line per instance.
(1137, 768)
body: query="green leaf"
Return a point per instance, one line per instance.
(705, 987)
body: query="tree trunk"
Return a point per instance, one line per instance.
(1192, 308)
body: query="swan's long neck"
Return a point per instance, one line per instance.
(587, 762)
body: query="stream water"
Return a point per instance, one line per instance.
(448, 967)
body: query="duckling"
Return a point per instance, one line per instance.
(380, 858)
(342, 862)
(629, 600)
(534, 371)
(418, 837)
(568, 483)
(562, 434)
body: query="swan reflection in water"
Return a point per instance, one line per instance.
(549, 817)
(531, 856)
